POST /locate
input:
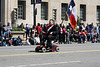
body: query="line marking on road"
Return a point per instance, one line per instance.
(44, 64)
(23, 49)
(50, 53)
(54, 63)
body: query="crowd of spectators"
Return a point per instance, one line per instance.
(6, 37)
(65, 34)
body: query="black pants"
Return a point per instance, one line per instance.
(49, 39)
(43, 38)
(71, 38)
(27, 34)
(60, 38)
(64, 38)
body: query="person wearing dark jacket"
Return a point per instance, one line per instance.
(60, 34)
(27, 31)
(51, 33)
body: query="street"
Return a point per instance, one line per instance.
(70, 55)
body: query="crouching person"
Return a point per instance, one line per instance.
(19, 41)
(27, 41)
(37, 39)
(32, 40)
(14, 41)
(10, 41)
(94, 40)
(5, 41)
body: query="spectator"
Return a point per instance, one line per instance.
(67, 37)
(27, 31)
(60, 34)
(80, 26)
(64, 32)
(19, 41)
(5, 40)
(94, 40)
(69, 26)
(9, 28)
(91, 25)
(85, 35)
(83, 26)
(27, 42)
(88, 32)
(71, 35)
(95, 34)
(33, 31)
(14, 41)
(4, 30)
(22, 25)
(75, 38)
(18, 26)
(87, 28)
(57, 38)
(39, 31)
(91, 33)
(41, 27)
(97, 29)
(10, 41)
(44, 27)
(81, 36)
(38, 28)
(32, 40)
(37, 39)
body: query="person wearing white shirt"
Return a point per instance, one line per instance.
(9, 28)
(27, 41)
(37, 39)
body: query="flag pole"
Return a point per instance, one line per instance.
(64, 17)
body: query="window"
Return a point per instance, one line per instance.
(63, 11)
(44, 11)
(0, 10)
(83, 12)
(21, 9)
(54, 14)
(98, 13)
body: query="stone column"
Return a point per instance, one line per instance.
(9, 7)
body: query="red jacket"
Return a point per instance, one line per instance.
(39, 29)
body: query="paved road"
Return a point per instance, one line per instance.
(72, 55)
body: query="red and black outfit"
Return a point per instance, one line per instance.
(50, 37)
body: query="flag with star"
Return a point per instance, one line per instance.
(72, 14)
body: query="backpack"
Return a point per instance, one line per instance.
(28, 28)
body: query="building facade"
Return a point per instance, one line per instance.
(87, 10)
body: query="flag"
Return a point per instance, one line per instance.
(72, 14)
